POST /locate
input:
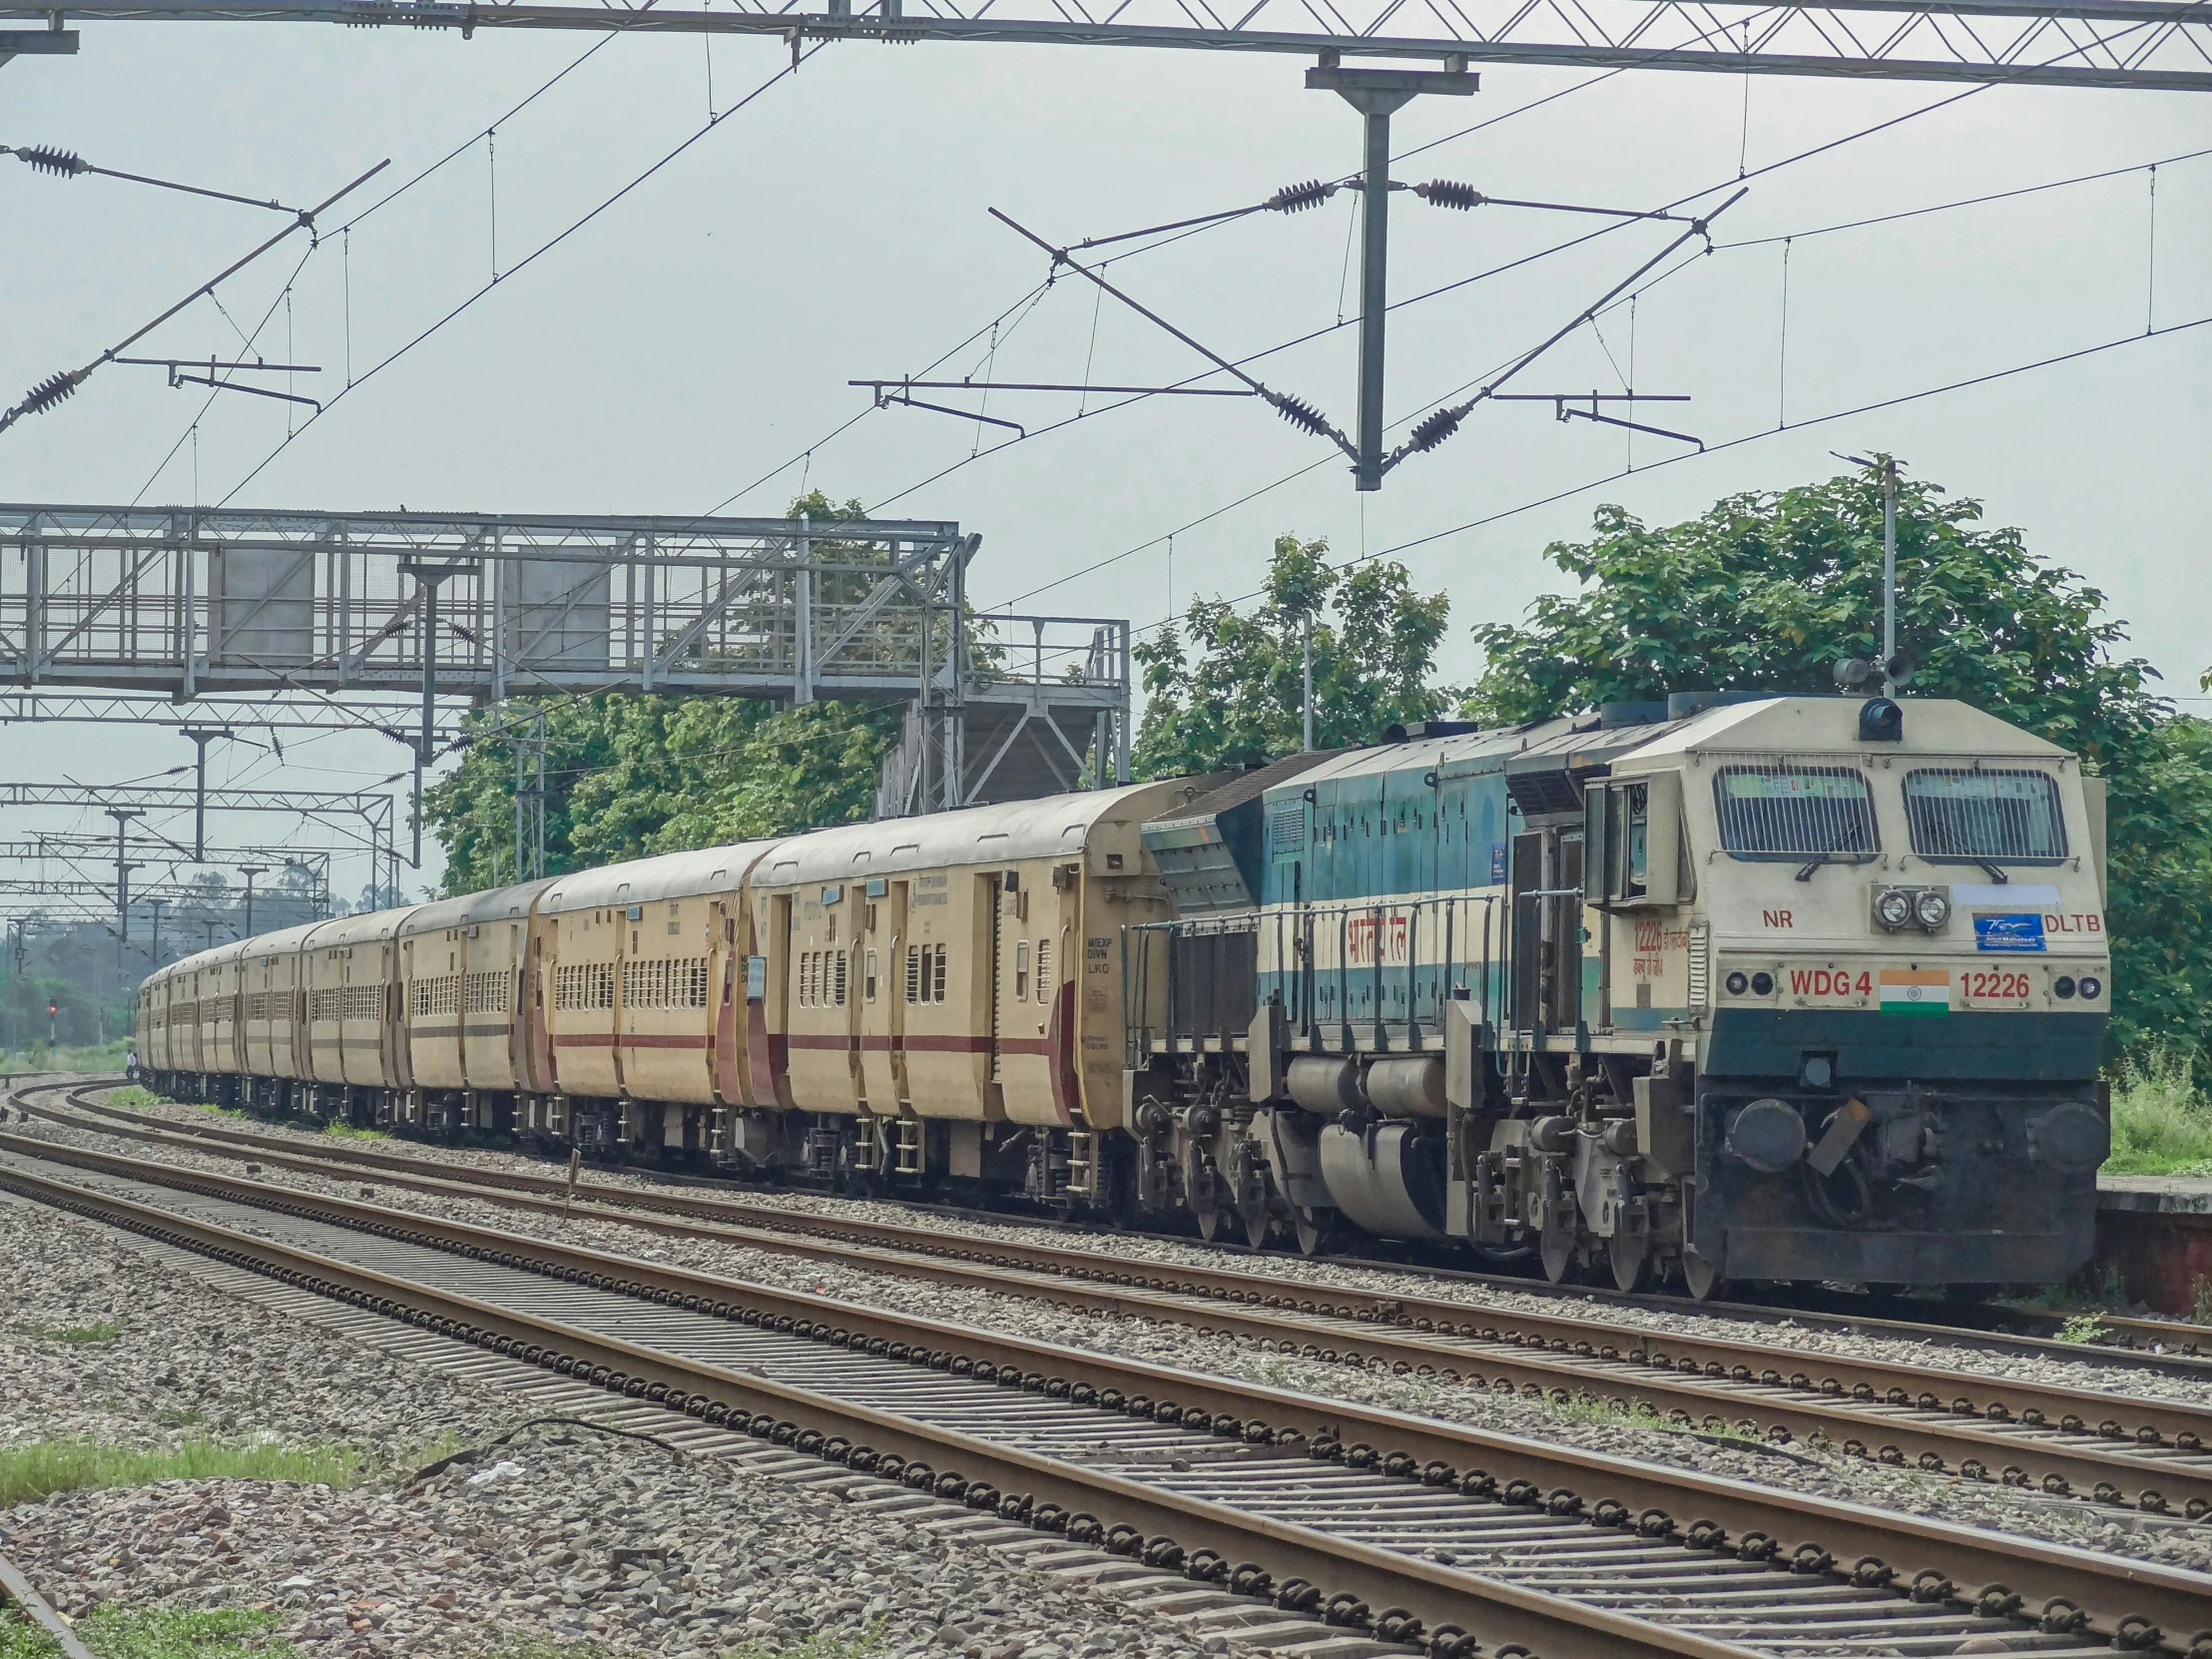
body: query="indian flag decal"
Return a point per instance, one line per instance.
(1915, 991)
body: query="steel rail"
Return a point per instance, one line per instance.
(1469, 1345)
(1577, 1331)
(16, 1588)
(1051, 1258)
(2133, 1600)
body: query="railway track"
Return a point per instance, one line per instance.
(2170, 1346)
(2110, 1448)
(1412, 1530)
(17, 1591)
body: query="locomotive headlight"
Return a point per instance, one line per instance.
(1894, 909)
(2091, 988)
(1930, 909)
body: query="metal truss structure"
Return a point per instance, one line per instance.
(362, 821)
(2081, 43)
(1048, 719)
(91, 857)
(186, 603)
(283, 715)
(192, 601)
(53, 40)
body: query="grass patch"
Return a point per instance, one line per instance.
(151, 1633)
(352, 1132)
(100, 1331)
(38, 1056)
(824, 1646)
(133, 1098)
(2161, 1121)
(2084, 1328)
(29, 1473)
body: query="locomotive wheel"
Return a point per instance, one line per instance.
(1704, 1281)
(1557, 1253)
(1258, 1224)
(1210, 1224)
(1630, 1257)
(1315, 1233)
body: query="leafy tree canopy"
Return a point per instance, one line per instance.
(1224, 688)
(629, 775)
(1766, 591)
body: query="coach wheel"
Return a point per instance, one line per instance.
(1557, 1253)
(1257, 1224)
(1316, 1231)
(1631, 1258)
(1701, 1276)
(1212, 1223)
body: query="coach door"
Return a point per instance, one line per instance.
(998, 891)
(882, 998)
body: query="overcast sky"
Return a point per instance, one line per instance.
(698, 335)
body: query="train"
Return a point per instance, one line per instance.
(1721, 990)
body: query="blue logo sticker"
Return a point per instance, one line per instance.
(2009, 933)
(1497, 863)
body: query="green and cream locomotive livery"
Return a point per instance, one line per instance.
(1734, 987)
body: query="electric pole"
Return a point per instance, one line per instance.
(249, 871)
(1378, 94)
(1888, 573)
(123, 816)
(1306, 675)
(200, 736)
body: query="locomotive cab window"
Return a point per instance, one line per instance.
(1794, 813)
(1969, 816)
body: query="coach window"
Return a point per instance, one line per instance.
(868, 986)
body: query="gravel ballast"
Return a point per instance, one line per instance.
(2028, 1513)
(1809, 1335)
(564, 1536)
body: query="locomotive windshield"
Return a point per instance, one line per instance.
(1969, 817)
(1795, 812)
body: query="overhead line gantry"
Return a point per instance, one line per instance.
(2078, 43)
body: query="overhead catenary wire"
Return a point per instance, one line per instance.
(1808, 154)
(1097, 296)
(1571, 242)
(1990, 378)
(1743, 439)
(519, 265)
(189, 433)
(57, 387)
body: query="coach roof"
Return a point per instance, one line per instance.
(641, 881)
(492, 904)
(284, 939)
(365, 929)
(1055, 826)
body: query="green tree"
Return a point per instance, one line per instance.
(631, 776)
(1767, 591)
(1224, 688)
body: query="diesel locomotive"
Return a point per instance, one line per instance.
(1725, 988)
